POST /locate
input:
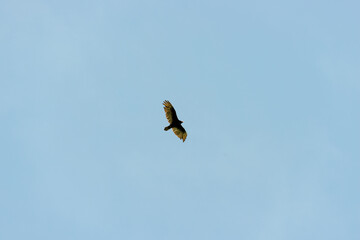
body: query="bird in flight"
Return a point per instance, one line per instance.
(175, 123)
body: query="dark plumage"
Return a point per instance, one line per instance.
(175, 123)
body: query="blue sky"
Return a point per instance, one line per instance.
(269, 93)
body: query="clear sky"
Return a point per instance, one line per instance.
(269, 93)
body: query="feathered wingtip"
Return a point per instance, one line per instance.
(184, 136)
(166, 103)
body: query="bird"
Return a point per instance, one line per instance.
(175, 123)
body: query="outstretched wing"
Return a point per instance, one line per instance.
(180, 132)
(170, 112)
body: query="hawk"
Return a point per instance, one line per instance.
(175, 123)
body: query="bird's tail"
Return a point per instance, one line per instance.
(167, 128)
